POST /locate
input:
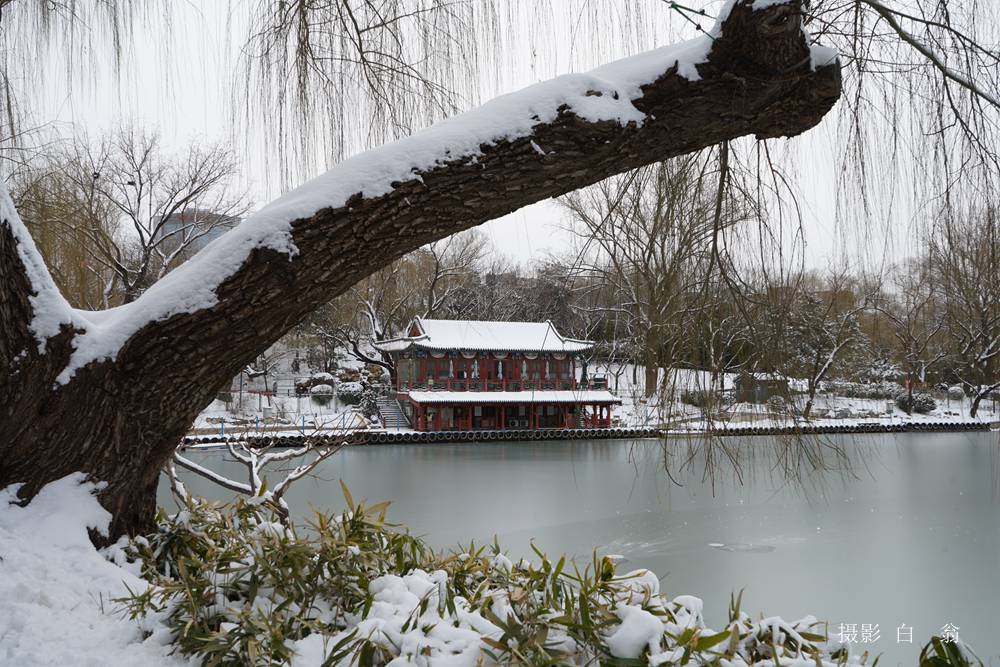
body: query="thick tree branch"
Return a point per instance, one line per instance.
(173, 347)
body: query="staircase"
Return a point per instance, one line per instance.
(392, 415)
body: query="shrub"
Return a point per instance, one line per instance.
(315, 380)
(777, 405)
(237, 587)
(348, 375)
(956, 392)
(321, 394)
(701, 398)
(920, 403)
(368, 404)
(350, 392)
(874, 390)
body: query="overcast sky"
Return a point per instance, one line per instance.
(183, 87)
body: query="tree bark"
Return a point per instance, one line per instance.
(119, 421)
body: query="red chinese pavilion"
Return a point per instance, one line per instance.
(466, 375)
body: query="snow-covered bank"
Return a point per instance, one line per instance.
(56, 589)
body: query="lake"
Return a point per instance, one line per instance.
(894, 530)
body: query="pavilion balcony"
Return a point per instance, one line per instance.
(454, 384)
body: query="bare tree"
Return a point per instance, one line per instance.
(917, 320)
(965, 255)
(131, 211)
(168, 205)
(421, 284)
(647, 241)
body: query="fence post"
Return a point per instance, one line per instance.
(222, 428)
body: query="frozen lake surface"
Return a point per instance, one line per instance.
(899, 530)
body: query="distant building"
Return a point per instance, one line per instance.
(467, 375)
(193, 228)
(759, 387)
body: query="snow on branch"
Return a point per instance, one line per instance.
(50, 310)
(257, 459)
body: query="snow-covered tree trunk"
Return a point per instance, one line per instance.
(112, 393)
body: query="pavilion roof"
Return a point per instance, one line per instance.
(484, 336)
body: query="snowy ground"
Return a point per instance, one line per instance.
(56, 590)
(292, 414)
(638, 410)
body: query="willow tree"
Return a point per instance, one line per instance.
(111, 393)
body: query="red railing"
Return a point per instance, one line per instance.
(450, 384)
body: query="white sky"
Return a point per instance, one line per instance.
(182, 87)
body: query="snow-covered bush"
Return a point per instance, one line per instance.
(956, 392)
(921, 403)
(350, 392)
(237, 587)
(321, 394)
(872, 390)
(306, 385)
(368, 404)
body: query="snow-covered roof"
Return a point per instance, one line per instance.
(583, 396)
(485, 336)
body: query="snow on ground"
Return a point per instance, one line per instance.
(56, 589)
(828, 409)
(288, 414)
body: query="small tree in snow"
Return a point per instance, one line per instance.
(822, 331)
(256, 460)
(368, 405)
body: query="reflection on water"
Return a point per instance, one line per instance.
(905, 529)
